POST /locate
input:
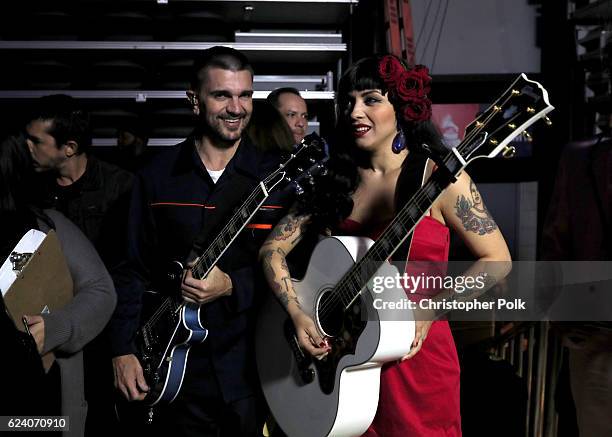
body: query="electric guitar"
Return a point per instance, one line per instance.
(164, 340)
(338, 396)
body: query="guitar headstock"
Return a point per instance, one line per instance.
(305, 160)
(523, 103)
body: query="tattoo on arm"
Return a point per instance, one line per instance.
(284, 296)
(281, 288)
(473, 213)
(286, 228)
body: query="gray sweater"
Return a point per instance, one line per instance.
(69, 329)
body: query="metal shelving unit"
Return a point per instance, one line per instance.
(140, 95)
(135, 60)
(593, 26)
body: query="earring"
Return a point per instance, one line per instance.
(399, 142)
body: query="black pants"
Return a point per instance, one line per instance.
(208, 418)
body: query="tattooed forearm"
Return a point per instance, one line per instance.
(473, 214)
(285, 296)
(282, 288)
(267, 264)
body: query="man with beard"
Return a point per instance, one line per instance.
(181, 195)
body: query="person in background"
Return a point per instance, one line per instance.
(132, 140)
(578, 227)
(292, 106)
(94, 195)
(64, 332)
(269, 130)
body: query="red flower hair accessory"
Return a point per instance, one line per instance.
(408, 88)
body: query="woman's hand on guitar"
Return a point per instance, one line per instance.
(217, 284)
(421, 330)
(129, 378)
(308, 336)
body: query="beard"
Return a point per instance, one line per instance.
(225, 134)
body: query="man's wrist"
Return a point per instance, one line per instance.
(229, 286)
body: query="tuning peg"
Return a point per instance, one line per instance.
(509, 152)
(547, 120)
(312, 160)
(527, 136)
(298, 189)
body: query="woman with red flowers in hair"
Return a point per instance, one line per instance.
(383, 120)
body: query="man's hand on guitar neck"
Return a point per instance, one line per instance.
(129, 378)
(217, 284)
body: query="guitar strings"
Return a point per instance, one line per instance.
(345, 292)
(341, 290)
(341, 287)
(254, 193)
(168, 301)
(207, 254)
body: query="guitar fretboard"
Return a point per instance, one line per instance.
(229, 232)
(349, 288)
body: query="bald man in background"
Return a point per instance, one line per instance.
(292, 106)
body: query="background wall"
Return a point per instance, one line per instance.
(476, 36)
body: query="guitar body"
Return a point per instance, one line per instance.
(163, 347)
(338, 395)
(172, 326)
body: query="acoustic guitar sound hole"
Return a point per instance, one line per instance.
(330, 311)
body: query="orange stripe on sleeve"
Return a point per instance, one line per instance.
(199, 205)
(259, 226)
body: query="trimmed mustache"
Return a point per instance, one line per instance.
(233, 117)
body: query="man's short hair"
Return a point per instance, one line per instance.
(69, 122)
(274, 97)
(222, 57)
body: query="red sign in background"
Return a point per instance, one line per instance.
(452, 119)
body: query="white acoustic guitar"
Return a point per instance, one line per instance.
(338, 395)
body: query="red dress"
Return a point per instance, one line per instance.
(419, 397)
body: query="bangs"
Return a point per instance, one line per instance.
(363, 75)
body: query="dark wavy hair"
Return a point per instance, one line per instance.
(364, 75)
(16, 171)
(268, 129)
(17, 211)
(331, 201)
(69, 121)
(328, 200)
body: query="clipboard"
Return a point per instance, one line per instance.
(35, 279)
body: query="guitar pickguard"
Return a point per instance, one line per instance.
(342, 344)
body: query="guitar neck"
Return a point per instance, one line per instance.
(396, 232)
(230, 231)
